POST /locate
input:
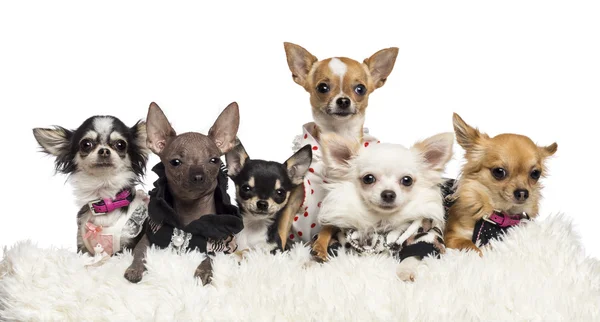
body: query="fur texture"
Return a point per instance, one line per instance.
(538, 273)
(101, 157)
(262, 192)
(352, 203)
(501, 173)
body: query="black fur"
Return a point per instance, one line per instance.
(64, 161)
(265, 174)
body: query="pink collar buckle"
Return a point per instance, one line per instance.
(504, 220)
(104, 206)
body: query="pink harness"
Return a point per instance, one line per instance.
(105, 236)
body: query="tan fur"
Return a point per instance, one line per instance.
(479, 193)
(319, 247)
(308, 72)
(296, 197)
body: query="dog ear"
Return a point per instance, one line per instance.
(300, 62)
(338, 150)
(436, 150)
(54, 141)
(549, 150)
(140, 135)
(298, 164)
(236, 158)
(158, 129)
(380, 65)
(224, 131)
(466, 136)
(138, 150)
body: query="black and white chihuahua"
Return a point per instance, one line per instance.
(104, 160)
(262, 192)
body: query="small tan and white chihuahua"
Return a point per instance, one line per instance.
(498, 188)
(339, 89)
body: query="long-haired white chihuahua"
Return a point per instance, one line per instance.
(386, 198)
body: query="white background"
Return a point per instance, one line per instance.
(525, 67)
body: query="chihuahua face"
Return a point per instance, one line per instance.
(392, 184)
(507, 167)
(339, 87)
(192, 160)
(101, 152)
(263, 187)
(101, 145)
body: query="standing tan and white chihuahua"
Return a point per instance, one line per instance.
(339, 89)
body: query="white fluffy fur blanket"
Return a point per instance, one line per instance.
(538, 273)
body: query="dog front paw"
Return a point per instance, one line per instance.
(407, 269)
(406, 275)
(134, 273)
(204, 271)
(319, 253)
(474, 248)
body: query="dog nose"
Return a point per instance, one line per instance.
(198, 178)
(104, 152)
(521, 194)
(262, 205)
(343, 102)
(388, 195)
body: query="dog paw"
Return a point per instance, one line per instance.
(406, 275)
(475, 249)
(134, 274)
(318, 254)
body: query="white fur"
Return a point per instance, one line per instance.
(346, 127)
(88, 187)
(104, 126)
(349, 204)
(538, 273)
(337, 67)
(254, 234)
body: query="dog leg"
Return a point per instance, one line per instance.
(407, 269)
(136, 270)
(461, 243)
(407, 233)
(290, 210)
(319, 247)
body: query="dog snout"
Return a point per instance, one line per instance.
(104, 152)
(343, 103)
(521, 194)
(262, 205)
(197, 178)
(388, 195)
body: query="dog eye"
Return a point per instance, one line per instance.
(175, 162)
(246, 188)
(280, 192)
(499, 173)
(535, 174)
(120, 145)
(322, 88)
(360, 89)
(214, 160)
(407, 181)
(86, 145)
(369, 179)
